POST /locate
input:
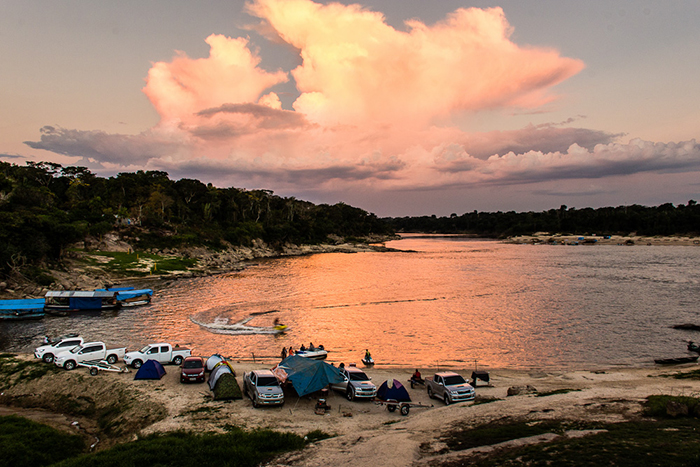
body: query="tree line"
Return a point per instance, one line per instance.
(45, 207)
(665, 219)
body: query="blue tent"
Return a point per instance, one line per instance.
(152, 369)
(396, 392)
(308, 375)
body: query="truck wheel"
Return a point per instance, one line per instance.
(93, 371)
(136, 364)
(430, 392)
(404, 410)
(391, 407)
(47, 358)
(112, 359)
(447, 399)
(69, 365)
(350, 394)
(177, 361)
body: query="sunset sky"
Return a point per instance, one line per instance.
(400, 107)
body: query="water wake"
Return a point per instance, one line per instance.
(221, 325)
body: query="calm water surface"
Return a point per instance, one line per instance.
(446, 302)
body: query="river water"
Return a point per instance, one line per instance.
(441, 302)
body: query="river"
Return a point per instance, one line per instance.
(440, 302)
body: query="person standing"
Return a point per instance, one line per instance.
(284, 353)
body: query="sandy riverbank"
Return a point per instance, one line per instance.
(632, 240)
(365, 432)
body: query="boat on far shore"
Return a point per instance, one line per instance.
(27, 308)
(676, 360)
(63, 302)
(129, 296)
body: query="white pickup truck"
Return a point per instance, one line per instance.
(161, 352)
(57, 345)
(88, 351)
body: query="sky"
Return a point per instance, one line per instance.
(399, 107)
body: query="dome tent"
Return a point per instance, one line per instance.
(151, 369)
(396, 392)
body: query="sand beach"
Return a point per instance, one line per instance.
(364, 432)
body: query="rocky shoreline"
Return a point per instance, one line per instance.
(77, 275)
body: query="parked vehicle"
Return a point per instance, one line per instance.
(88, 351)
(192, 370)
(450, 387)
(29, 308)
(263, 388)
(161, 352)
(356, 384)
(48, 351)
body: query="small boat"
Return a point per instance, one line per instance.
(69, 301)
(128, 296)
(368, 361)
(315, 354)
(28, 308)
(676, 361)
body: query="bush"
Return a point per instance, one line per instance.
(31, 444)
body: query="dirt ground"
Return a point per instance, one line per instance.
(364, 432)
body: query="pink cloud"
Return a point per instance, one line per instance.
(357, 68)
(373, 110)
(181, 88)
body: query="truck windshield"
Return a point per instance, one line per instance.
(75, 349)
(145, 349)
(193, 364)
(268, 381)
(358, 376)
(454, 380)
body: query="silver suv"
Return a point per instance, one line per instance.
(356, 384)
(263, 388)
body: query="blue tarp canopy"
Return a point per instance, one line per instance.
(22, 304)
(125, 293)
(396, 392)
(308, 375)
(152, 369)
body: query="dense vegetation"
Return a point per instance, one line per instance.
(31, 444)
(45, 207)
(27, 443)
(666, 219)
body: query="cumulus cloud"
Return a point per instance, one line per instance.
(356, 67)
(181, 88)
(374, 109)
(603, 160)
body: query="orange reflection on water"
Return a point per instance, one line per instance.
(446, 303)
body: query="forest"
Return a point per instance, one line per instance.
(665, 219)
(45, 207)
